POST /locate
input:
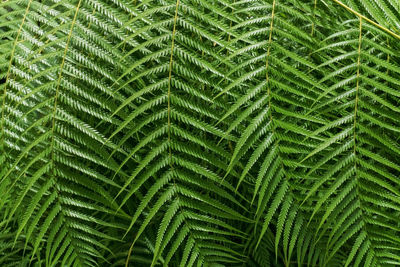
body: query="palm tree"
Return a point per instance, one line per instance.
(199, 133)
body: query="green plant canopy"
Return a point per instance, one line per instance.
(200, 133)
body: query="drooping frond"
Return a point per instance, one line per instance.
(54, 158)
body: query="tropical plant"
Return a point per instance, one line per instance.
(200, 133)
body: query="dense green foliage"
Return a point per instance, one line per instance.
(200, 133)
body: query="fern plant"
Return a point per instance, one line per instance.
(199, 133)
